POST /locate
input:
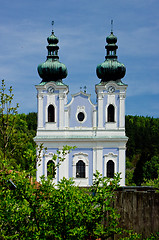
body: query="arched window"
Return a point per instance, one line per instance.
(51, 113)
(110, 169)
(50, 169)
(80, 169)
(111, 112)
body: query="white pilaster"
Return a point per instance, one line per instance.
(122, 165)
(39, 166)
(94, 160)
(122, 111)
(94, 118)
(66, 123)
(99, 160)
(64, 167)
(100, 110)
(61, 110)
(40, 111)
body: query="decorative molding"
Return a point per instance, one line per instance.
(40, 96)
(78, 94)
(100, 96)
(80, 156)
(62, 96)
(110, 154)
(80, 153)
(123, 96)
(50, 154)
(81, 108)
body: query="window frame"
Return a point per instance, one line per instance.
(81, 109)
(84, 157)
(107, 157)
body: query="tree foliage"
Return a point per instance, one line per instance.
(16, 131)
(7, 122)
(142, 148)
(29, 210)
(44, 211)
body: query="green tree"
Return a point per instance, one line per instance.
(154, 183)
(151, 168)
(142, 146)
(16, 132)
(31, 119)
(29, 210)
(65, 211)
(7, 123)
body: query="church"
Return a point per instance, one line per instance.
(97, 130)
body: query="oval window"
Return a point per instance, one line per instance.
(80, 116)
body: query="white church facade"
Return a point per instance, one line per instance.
(97, 130)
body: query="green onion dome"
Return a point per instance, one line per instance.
(111, 69)
(52, 69)
(111, 39)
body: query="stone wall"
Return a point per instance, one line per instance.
(139, 209)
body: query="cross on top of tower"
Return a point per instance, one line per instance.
(52, 23)
(111, 26)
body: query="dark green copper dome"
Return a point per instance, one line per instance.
(111, 39)
(52, 69)
(111, 69)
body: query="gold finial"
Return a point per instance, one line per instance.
(111, 26)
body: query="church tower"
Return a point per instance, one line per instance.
(98, 130)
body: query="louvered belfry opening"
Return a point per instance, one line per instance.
(51, 113)
(111, 113)
(110, 169)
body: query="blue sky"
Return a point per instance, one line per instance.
(82, 27)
